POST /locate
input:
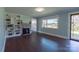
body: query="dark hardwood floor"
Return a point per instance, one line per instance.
(37, 42)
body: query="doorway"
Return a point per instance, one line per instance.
(74, 26)
(34, 25)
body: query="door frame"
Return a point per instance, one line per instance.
(36, 23)
(69, 24)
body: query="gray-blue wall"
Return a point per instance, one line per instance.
(63, 23)
(2, 29)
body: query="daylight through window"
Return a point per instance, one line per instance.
(50, 23)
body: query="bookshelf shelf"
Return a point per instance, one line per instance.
(13, 26)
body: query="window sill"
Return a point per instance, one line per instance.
(49, 28)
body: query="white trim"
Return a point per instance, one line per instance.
(53, 34)
(69, 22)
(7, 36)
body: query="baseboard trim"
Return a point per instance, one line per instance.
(13, 36)
(53, 35)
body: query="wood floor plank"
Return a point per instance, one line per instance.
(37, 42)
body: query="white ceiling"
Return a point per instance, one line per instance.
(29, 11)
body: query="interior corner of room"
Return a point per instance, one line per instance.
(50, 21)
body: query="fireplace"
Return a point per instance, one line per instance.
(25, 31)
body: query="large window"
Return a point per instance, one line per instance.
(50, 23)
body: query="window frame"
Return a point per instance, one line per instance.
(46, 25)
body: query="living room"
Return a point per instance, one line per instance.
(39, 29)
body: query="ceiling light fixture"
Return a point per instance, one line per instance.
(39, 9)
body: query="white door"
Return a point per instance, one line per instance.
(34, 24)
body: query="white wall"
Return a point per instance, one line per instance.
(2, 29)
